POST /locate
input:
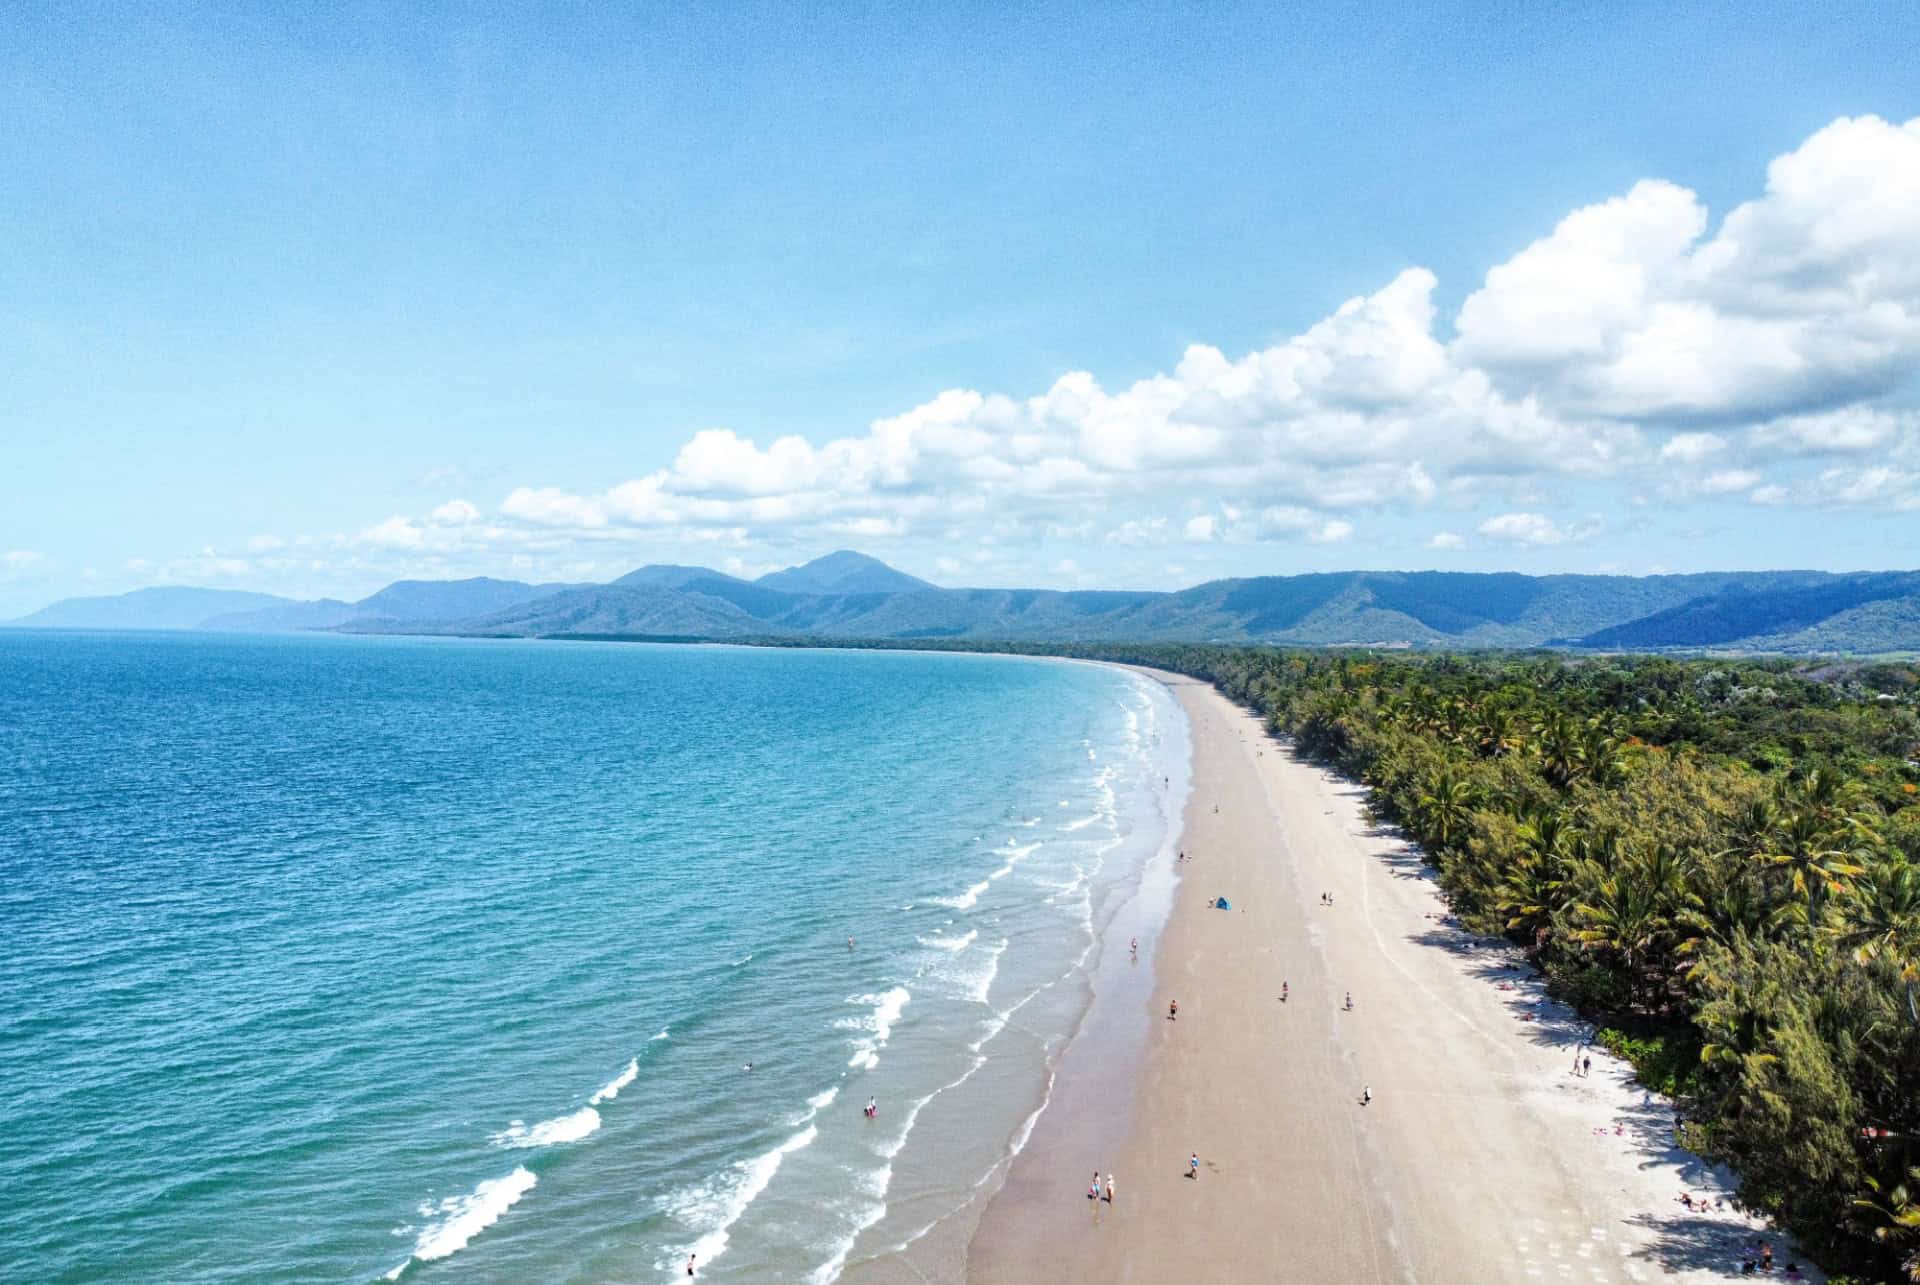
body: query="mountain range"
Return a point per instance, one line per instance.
(848, 595)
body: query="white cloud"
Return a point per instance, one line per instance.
(1637, 344)
(1729, 481)
(394, 533)
(1806, 298)
(1523, 528)
(1847, 431)
(1691, 448)
(1137, 532)
(1333, 531)
(1781, 320)
(1796, 308)
(23, 566)
(550, 506)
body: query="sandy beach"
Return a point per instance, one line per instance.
(1482, 1155)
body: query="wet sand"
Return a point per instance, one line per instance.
(1481, 1157)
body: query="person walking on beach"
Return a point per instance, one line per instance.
(1093, 1188)
(1586, 1065)
(1109, 1189)
(1366, 1094)
(1349, 1001)
(689, 1264)
(1193, 1166)
(1173, 1010)
(1136, 946)
(1283, 992)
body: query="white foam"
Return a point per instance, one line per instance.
(464, 1217)
(744, 959)
(661, 1036)
(611, 1089)
(1082, 823)
(821, 1101)
(982, 982)
(951, 943)
(878, 1024)
(721, 1203)
(566, 1128)
(967, 968)
(965, 901)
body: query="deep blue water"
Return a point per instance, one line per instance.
(328, 957)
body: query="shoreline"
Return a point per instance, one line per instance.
(1117, 987)
(1481, 1156)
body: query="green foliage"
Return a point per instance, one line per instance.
(1666, 1060)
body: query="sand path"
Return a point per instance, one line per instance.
(1481, 1157)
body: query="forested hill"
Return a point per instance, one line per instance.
(1774, 611)
(847, 595)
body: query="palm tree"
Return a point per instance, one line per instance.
(1737, 908)
(1499, 731)
(1819, 856)
(1559, 738)
(1881, 920)
(1902, 1217)
(1444, 808)
(1599, 750)
(1621, 912)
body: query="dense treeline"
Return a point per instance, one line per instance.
(1718, 860)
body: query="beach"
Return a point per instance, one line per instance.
(1482, 1155)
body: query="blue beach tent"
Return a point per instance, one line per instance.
(1221, 902)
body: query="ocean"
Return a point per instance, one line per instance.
(352, 959)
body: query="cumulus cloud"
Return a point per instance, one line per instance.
(394, 533)
(23, 566)
(1530, 529)
(1692, 448)
(1333, 531)
(1728, 481)
(1584, 356)
(1639, 344)
(1136, 532)
(1803, 299)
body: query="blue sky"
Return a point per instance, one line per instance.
(303, 302)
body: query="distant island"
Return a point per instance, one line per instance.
(848, 595)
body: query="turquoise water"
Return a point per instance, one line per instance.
(328, 959)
